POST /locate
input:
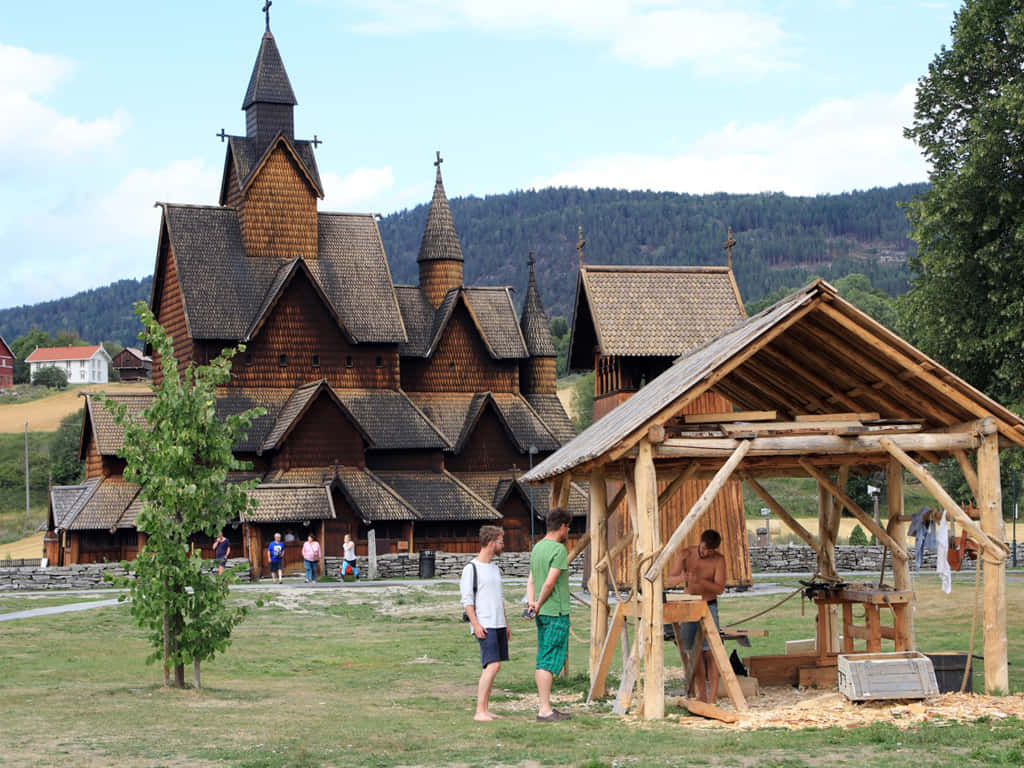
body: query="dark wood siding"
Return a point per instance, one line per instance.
(397, 460)
(232, 193)
(300, 327)
(171, 310)
(93, 460)
(461, 363)
(488, 449)
(322, 438)
(278, 216)
(537, 376)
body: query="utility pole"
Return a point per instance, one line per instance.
(28, 516)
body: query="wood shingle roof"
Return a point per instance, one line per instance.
(650, 311)
(439, 496)
(269, 83)
(440, 241)
(289, 503)
(534, 322)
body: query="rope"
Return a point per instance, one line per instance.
(974, 624)
(792, 594)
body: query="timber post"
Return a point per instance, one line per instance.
(598, 529)
(991, 503)
(652, 608)
(897, 528)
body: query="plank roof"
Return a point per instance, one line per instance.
(811, 353)
(650, 311)
(439, 496)
(224, 290)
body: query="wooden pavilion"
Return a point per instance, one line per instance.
(825, 390)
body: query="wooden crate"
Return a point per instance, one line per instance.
(873, 676)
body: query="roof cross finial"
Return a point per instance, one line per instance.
(222, 135)
(437, 163)
(730, 241)
(579, 245)
(317, 141)
(266, 10)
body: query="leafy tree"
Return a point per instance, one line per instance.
(52, 377)
(65, 467)
(113, 349)
(179, 453)
(583, 402)
(22, 347)
(560, 338)
(966, 307)
(857, 537)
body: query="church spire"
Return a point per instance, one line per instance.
(534, 323)
(269, 100)
(440, 256)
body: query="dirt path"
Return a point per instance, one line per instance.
(45, 415)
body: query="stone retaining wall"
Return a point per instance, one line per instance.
(800, 558)
(447, 565)
(80, 576)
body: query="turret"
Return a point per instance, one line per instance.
(537, 372)
(440, 257)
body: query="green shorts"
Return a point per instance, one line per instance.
(552, 639)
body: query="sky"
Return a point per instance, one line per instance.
(106, 108)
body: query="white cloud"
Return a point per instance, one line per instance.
(835, 146)
(358, 190)
(30, 129)
(650, 33)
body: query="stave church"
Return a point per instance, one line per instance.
(408, 410)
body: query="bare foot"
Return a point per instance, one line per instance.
(483, 717)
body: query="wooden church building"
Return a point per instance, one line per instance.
(411, 410)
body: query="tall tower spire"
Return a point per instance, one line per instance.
(269, 100)
(536, 373)
(440, 256)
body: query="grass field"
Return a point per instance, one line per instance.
(386, 677)
(44, 414)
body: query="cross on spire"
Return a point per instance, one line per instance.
(222, 135)
(579, 245)
(266, 10)
(730, 241)
(316, 141)
(437, 163)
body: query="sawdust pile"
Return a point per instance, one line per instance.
(795, 709)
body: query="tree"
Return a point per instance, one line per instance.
(179, 453)
(965, 306)
(113, 349)
(51, 376)
(857, 537)
(22, 347)
(583, 401)
(65, 466)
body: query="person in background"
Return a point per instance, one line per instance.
(549, 569)
(701, 571)
(348, 552)
(311, 557)
(484, 601)
(276, 551)
(289, 537)
(221, 551)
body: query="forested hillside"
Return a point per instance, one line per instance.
(782, 241)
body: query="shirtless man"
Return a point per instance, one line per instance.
(701, 571)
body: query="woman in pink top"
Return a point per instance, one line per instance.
(311, 555)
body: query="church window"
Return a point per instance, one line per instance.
(316, 361)
(282, 360)
(348, 361)
(380, 361)
(248, 358)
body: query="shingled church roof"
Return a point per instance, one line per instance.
(534, 323)
(650, 311)
(248, 153)
(269, 82)
(440, 241)
(223, 290)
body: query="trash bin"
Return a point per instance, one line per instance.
(949, 671)
(427, 562)
(762, 538)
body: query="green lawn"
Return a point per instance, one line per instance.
(381, 677)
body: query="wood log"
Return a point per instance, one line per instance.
(715, 418)
(808, 538)
(703, 709)
(610, 511)
(697, 511)
(970, 475)
(897, 528)
(598, 530)
(721, 659)
(611, 639)
(614, 551)
(991, 503)
(865, 519)
(800, 445)
(998, 549)
(827, 528)
(854, 416)
(652, 620)
(670, 490)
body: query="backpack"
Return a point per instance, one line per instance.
(465, 616)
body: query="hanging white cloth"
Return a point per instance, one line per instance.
(941, 551)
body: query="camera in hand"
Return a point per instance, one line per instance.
(529, 613)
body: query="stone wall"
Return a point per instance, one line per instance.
(798, 559)
(447, 565)
(80, 576)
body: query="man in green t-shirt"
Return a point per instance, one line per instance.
(549, 568)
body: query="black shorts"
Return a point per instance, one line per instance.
(494, 647)
(276, 565)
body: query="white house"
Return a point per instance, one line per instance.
(83, 365)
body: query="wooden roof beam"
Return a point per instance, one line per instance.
(781, 382)
(778, 397)
(782, 374)
(799, 445)
(831, 392)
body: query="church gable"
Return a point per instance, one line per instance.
(488, 446)
(460, 362)
(278, 214)
(169, 306)
(300, 340)
(323, 435)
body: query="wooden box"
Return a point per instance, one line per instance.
(873, 676)
(748, 685)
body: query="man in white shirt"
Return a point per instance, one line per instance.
(484, 601)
